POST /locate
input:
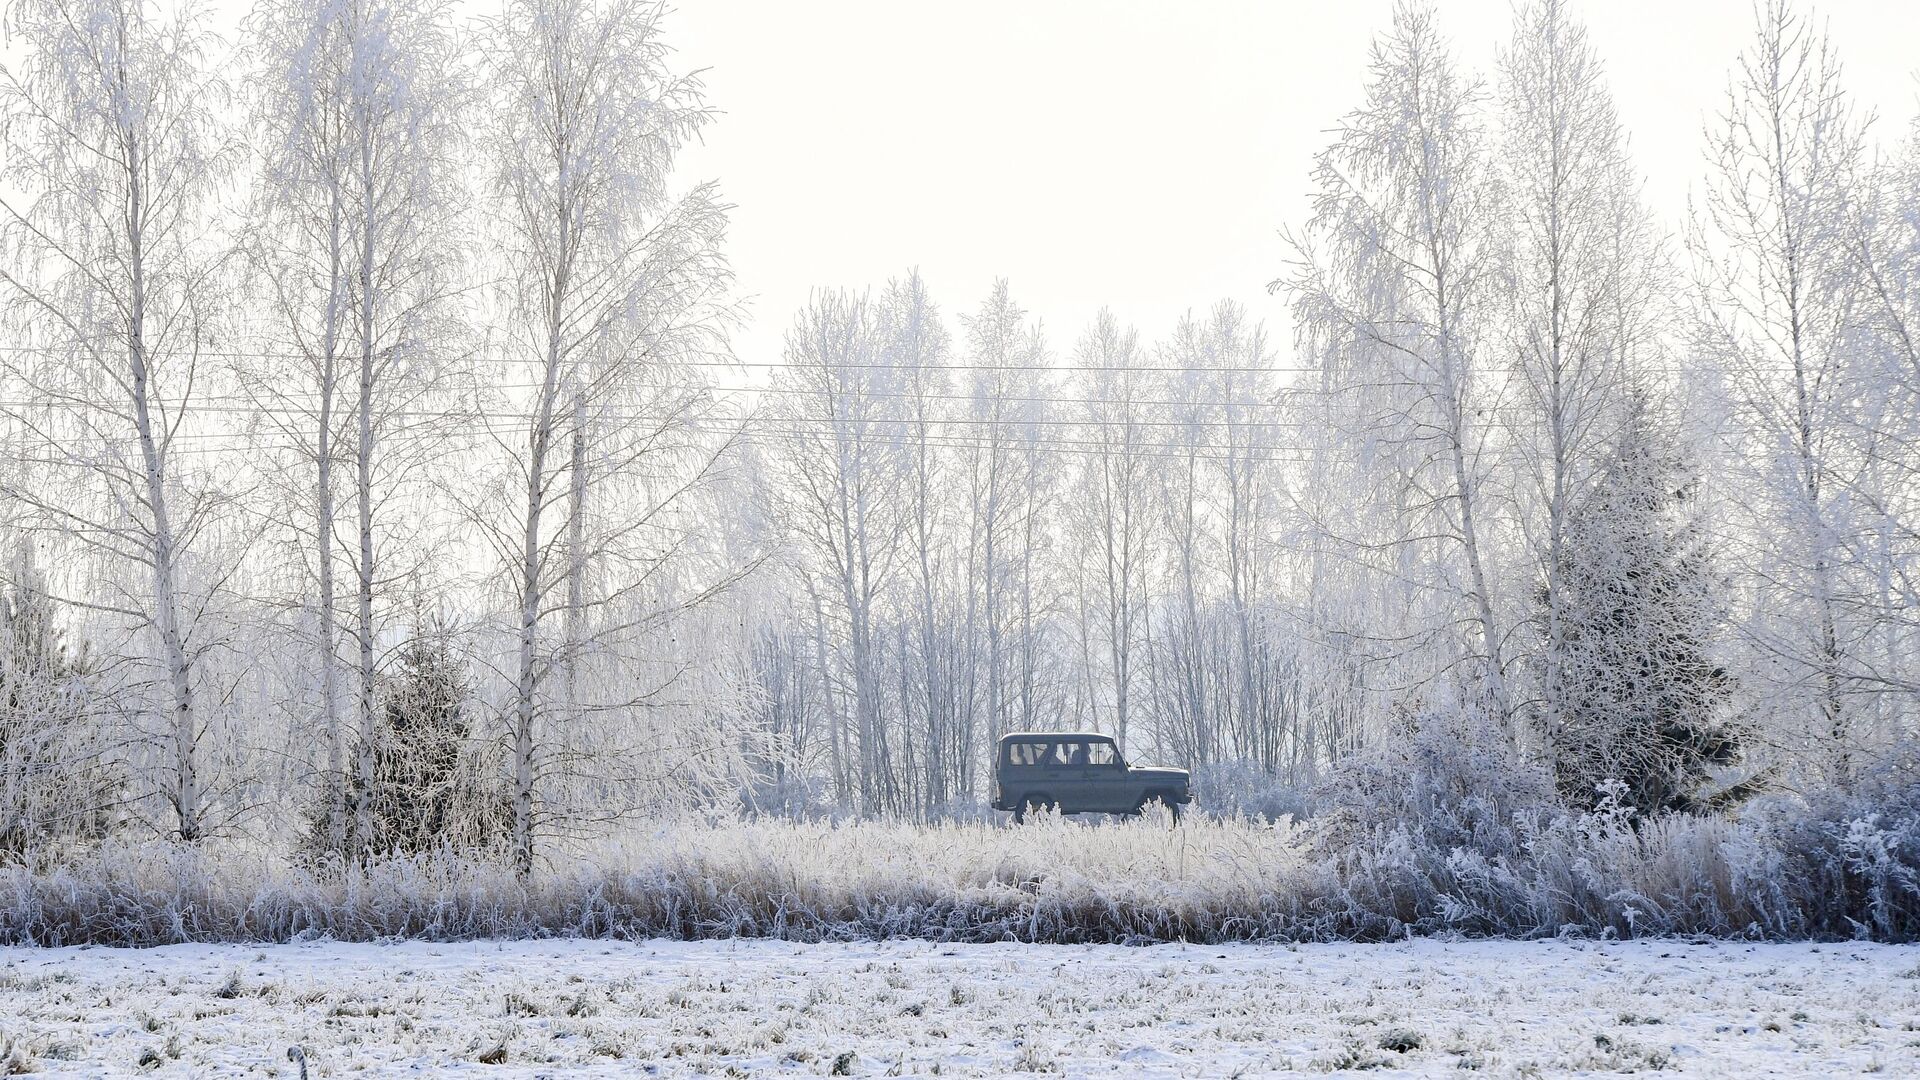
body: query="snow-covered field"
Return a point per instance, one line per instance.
(756, 1007)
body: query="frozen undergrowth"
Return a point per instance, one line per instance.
(754, 1008)
(1132, 882)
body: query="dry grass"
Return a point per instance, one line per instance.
(1051, 880)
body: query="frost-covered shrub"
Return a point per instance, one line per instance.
(1854, 856)
(1245, 789)
(1476, 865)
(1051, 880)
(1449, 780)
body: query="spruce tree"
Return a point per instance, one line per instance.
(57, 781)
(1642, 700)
(428, 786)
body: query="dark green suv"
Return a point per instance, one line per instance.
(1078, 773)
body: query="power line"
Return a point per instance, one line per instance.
(721, 424)
(773, 430)
(1064, 368)
(275, 354)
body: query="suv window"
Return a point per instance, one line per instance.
(1056, 753)
(1029, 753)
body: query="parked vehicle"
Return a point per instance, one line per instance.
(1079, 773)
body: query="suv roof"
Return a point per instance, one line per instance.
(1028, 736)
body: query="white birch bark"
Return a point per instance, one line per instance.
(358, 110)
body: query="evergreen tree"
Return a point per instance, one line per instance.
(55, 780)
(428, 786)
(1642, 696)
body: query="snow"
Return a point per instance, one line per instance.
(755, 1007)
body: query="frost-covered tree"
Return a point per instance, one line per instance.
(787, 721)
(846, 467)
(1883, 243)
(1112, 512)
(59, 776)
(430, 786)
(914, 339)
(1039, 693)
(1396, 279)
(115, 156)
(1219, 475)
(1639, 603)
(1776, 298)
(358, 115)
(610, 278)
(1585, 324)
(1005, 354)
(1189, 691)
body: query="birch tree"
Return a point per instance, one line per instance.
(1395, 275)
(1244, 392)
(1113, 509)
(1584, 322)
(359, 108)
(611, 277)
(1189, 705)
(1038, 691)
(1224, 464)
(917, 342)
(1883, 244)
(111, 274)
(1776, 293)
(846, 472)
(1004, 352)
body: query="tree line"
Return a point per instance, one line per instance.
(1635, 493)
(379, 468)
(358, 337)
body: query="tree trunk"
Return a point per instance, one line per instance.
(186, 794)
(363, 464)
(323, 539)
(576, 622)
(526, 677)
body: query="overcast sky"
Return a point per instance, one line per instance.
(1140, 155)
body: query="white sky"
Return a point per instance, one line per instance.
(1137, 154)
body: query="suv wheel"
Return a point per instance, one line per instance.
(1032, 804)
(1152, 797)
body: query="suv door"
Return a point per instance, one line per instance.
(1078, 790)
(1066, 775)
(1106, 778)
(1025, 768)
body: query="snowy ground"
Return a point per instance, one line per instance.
(749, 1008)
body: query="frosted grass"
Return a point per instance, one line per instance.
(1128, 882)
